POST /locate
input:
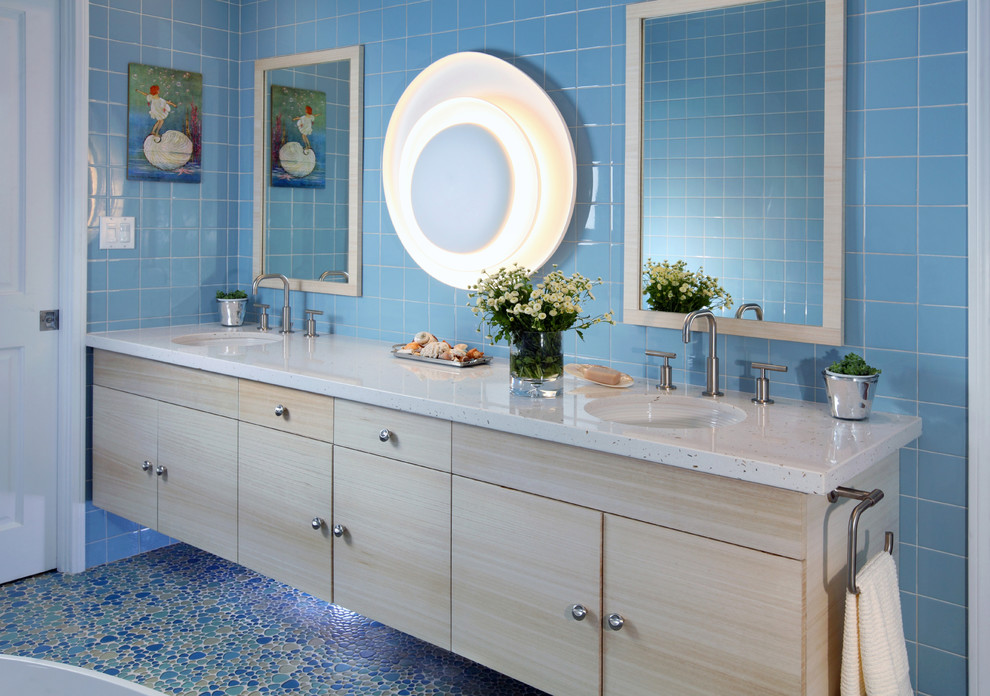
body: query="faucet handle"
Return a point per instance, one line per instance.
(263, 319)
(763, 382)
(666, 374)
(311, 315)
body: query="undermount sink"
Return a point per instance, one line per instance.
(227, 338)
(664, 411)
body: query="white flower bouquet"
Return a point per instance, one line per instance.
(670, 287)
(510, 304)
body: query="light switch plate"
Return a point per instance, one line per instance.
(117, 233)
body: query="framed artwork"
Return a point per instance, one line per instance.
(298, 138)
(164, 124)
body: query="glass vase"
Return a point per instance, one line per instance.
(536, 364)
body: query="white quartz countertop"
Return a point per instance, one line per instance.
(791, 444)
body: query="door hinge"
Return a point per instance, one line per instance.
(48, 320)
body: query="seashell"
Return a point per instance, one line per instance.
(168, 151)
(434, 349)
(458, 353)
(296, 161)
(474, 354)
(461, 346)
(424, 337)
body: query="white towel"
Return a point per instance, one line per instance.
(874, 655)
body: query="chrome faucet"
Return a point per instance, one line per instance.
(337, 274)
(750, 305)
(286, 312)
(711, 367)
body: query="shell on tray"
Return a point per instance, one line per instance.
(426, 345)
(436, 349)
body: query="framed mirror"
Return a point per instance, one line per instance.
(735, 138)
(308, 115)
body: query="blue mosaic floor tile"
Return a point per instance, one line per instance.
(187, 623)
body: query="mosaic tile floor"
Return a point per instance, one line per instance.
(184, 622)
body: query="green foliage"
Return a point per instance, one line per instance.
(670, 287)
(234, 295)
(537, 355)
(853, 364)
(510, 304)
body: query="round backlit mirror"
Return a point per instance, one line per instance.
(478, 169)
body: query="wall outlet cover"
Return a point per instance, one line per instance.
(117, 232)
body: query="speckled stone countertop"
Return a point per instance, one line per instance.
(795, 445)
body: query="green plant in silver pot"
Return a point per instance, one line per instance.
(231, 306)
(850, 385)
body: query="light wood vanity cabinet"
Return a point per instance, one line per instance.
(512, 551)
(158, 459)
(717, 586)
(532, 598)
(392, 558)
(698, 616)
(523, 568)
(284, 503)
(284, 475)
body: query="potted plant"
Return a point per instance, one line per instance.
(670, 287)
(231, 306)
(850, 385)
(533, 318)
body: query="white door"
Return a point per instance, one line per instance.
(29, 204)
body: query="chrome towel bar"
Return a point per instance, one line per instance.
(867, 500)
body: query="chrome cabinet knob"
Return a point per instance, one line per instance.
(317, 522)
(578, 612)
(161, 470)
(145, 465)
(338, 530)
(384, 434)
(615, 622)
(279, 410)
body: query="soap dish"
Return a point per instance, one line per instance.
(579, 369)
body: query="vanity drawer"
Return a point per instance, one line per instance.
(738, 512)
(173, 384)
(395, 434)
(289, 410)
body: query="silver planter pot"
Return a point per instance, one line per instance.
(231, 312)
(850, 397)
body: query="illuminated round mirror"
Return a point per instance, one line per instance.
(462, 174)
(478, 169)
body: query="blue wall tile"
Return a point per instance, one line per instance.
(942, 181)
(892, 34)
(940, 673)
(891, 83)
(891, 132)
(943, 28)
(942, 79)
(942, 576)
(942, 478)
(943, 625)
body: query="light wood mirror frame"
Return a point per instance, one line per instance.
(355, 55)
(831, 330)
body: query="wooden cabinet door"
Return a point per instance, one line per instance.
(393, 561)
(700, 616)
(125, 435)
(519, 564)
(197, 496)
(283, 485)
